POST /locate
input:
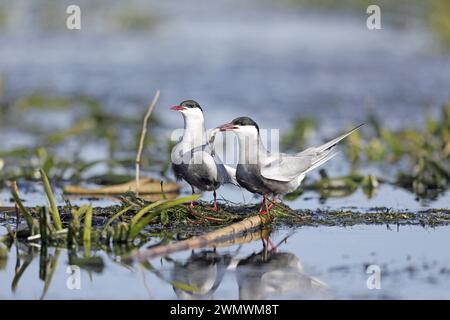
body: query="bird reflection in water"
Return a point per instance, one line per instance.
(261, 275)
(201, 274)
(269, 273)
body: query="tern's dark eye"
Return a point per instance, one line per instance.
(245, 121)
(190, 104)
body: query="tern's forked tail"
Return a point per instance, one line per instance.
(335, 141)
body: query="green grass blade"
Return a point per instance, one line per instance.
(136, 228)
(116, 216)
(25, 212)
(143, 211)
(78, 214)
(53, 208)
(87, 228)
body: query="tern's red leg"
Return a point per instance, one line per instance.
(264, 208)
(270, 243)
(274, 200)
(215, 201)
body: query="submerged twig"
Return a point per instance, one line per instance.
(141, 141)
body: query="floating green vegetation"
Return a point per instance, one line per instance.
(84, 226)
(136, 221)
(91, 123)
(439, 19)
(419, 155)
(41, 100)
(386, 216)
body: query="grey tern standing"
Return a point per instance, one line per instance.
(192, 157)
(262, 172)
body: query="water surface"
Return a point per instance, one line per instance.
(319, 263)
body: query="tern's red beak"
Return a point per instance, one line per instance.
(227, 127)
(178, 108)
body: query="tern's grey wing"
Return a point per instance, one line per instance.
(226, 173)
(286, 167)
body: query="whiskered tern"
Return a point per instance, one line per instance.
(192, 157)
(266, 173)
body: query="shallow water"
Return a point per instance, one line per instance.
(386, 196)
(320, 263)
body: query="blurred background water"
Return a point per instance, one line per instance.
(272, 60)
(258, 58)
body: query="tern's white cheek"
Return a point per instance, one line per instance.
(247, 130)
(193, 113)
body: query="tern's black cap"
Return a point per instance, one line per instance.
(190, 104)
(245, 121)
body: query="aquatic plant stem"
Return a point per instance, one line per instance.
(25, 212)
(87, 230)
(141, 140)
(51, 199)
